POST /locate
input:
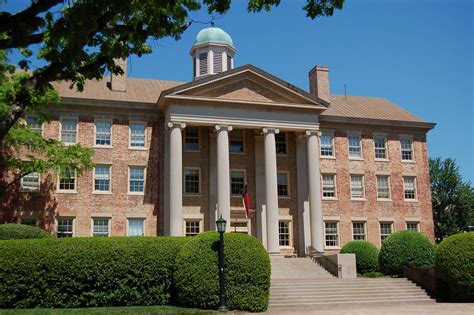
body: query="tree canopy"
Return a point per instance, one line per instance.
(79, 40)
(452, 198)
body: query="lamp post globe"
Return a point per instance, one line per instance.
(221, 225)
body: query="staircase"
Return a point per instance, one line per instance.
(302, 282)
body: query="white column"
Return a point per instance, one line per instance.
(304, 225)
(212, 181)
(260, 190)
(314, 187)
(223, 173)
(271, 191)
(176, 179)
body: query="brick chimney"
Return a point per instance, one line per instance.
(119, 82)
(319, 82)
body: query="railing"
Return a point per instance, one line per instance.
(323, 261)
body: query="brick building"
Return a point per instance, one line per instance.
(171, 157)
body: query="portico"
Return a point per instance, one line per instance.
(189, 107)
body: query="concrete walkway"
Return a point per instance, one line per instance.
(418, 309)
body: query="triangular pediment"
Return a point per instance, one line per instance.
(245, 84)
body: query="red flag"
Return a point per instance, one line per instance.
(245, 200)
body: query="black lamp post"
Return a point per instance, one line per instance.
(221, 225)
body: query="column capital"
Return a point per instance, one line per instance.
(270, 130)
(226, 128)
(175, 124)
(313, 132)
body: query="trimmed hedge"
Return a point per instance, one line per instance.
(454, 263)
(405, 249)
(366, 253)
(247, 272)
(84, 272)
(13, 231)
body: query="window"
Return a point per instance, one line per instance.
(385, 230)
(237, 141)
(191, 139)
(103, 130)
(280, 143)
(329, 186)
(326, 145)
(136, 227)
(102, 178)
(229, 62)
(383, 187)
(67, 179)
(407, 149)
(203, 64)
(358, 231)
(137, 179)
(237, 182)
(412, 226)
(409, 188)
(100, 227)
(137, 135)
(65, 227)
(331, 235)
(30, 182)
(33, 123)
(282, 184)
(354, 146)
(27, 221)
(191, 181)
(284, 233)
(380, 144)
(192, 227)
(357, 186)
(69, 130)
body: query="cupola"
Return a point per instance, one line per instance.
(213, 52)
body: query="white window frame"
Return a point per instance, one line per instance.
(230, 180)
(100, 218)
(105, 192)
(198, 138)
(333, 148)
(383, 136)
(111, 133)
(380, 229)
(290, 233)
(364, 229)
(140, 193)
(286, 143)
(184, 181)
(244, 149)
(136, 219)
(137, 122)
(377, 187)
(338, 235)
(335, 186)
(413, 222)
(415, 189)
(35, 117)
(363, 186)
(73, 225)
(409, 138)
(59, 190)
(287, 184)
(186, 221)
(61, 119)
(26, 189)
(193, 217)
(359, 136)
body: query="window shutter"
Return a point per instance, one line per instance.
(229, 62)
(203, 64)
(217, 62)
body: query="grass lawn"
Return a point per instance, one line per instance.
(149, 310)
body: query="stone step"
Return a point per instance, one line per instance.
(292, 306)
(348, 299)
(338, 290)
(336, 295)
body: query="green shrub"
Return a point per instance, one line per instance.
(18, 232)
(367, 255)
(247, 272)
(83, 272)
(454, 262)
(405, 249)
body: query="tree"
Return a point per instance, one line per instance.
(452, 198)
(79, 40)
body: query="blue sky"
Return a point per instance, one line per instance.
(418, 54)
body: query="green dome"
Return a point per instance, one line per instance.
(213, 35)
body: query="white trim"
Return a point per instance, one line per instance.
(335, 186)
(415, 186)
(364, 222)
(338, 233)
(108, 218)
(289, 220)
(359, 135)
(66, 217)
(136, 193)
(128, 226)
(410, 138)
(61, 118)
(36, 118)
(389, 188)
(28, 190)
(326, 132)
(137, 122)
(66, 191)
(191, 168)
(288, 187)
(102, 192)
(363, 186)
(230, 180)
(103, 146)
(384, 136)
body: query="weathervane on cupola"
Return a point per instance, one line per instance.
(213, 52)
